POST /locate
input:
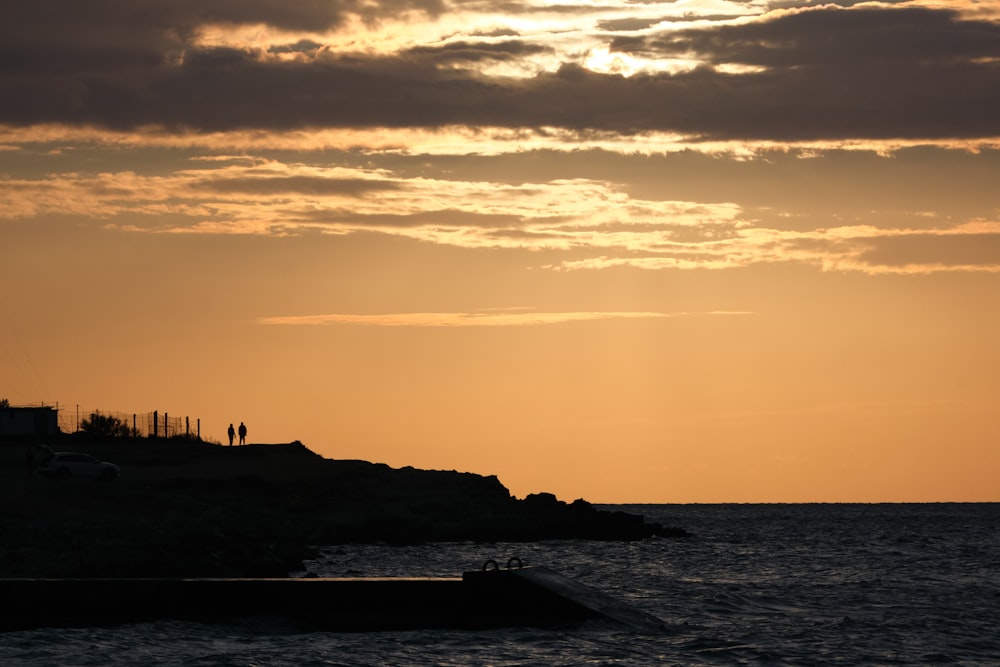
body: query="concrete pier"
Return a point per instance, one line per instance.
(500, 598)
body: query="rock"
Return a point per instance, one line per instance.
(195, 509)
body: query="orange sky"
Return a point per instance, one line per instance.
(718, 252)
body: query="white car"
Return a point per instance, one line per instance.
(63, 465)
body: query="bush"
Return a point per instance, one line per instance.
(104, 426)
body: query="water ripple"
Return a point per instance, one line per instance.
(757, 584)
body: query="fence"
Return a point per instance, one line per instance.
(140, 425)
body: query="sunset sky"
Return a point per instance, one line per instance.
(629, 251)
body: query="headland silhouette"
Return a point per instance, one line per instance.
(194, 509)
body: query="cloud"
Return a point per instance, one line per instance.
(563, 224)
(827, 38)
(825, 73)
(471, 319)
(268, 186)
(966, 248)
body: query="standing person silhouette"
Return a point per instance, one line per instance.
(243, 433)
(232, 434)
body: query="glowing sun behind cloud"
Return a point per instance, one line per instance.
(603, 60)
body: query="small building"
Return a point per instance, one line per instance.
(37, 422)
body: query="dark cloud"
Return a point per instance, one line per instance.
(95, 36)
(830, 39)
(628, 24)
(528, 7)
(474, 51)
(297, 185)
(792, 4)
(436, 218)
(827, 73)
(301, 46)
(868, 72)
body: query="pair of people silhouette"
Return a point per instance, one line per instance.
(242, 432)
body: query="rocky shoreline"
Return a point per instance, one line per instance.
(193, 509)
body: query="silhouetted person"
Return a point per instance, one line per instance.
(243, 433)
(232, 434)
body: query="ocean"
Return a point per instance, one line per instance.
(810, 585)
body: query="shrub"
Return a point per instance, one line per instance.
(104, 426)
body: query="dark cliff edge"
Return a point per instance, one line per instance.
(194, 509)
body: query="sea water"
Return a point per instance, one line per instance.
(913, 584)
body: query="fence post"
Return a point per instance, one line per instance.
(166, 425)
(156, 424)
(199, 428)
(187, 427)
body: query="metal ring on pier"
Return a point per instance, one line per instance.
(486, 565)
(511, 562)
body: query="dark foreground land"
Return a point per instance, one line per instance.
(194, 509)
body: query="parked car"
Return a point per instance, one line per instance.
(63, 465)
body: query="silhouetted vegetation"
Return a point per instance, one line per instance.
(104, 426)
